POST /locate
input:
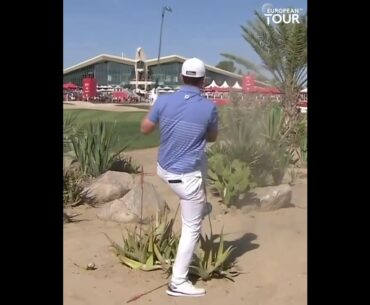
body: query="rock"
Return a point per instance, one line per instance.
(117, 211)
(152, 201)
(276, 197)
(69, 217)
(128, 208)
(232, 210)
(107, 187)
(249, 208)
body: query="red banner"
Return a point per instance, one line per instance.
(89, 87)
(248, 83)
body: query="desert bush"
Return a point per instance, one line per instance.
(156, 249)
(70, 129)
(302, 140)
(257, 136)
(303, 150)
(73, 184)
(238, 136)
(94, 148)
(229, 178)
(275, 141)
(125, 164)
(212, 260)
(238, 132)
(293, 175)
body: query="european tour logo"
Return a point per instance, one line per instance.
(278, 15)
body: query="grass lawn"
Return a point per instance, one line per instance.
(147, 107)
(127, 126)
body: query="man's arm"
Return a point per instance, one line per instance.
(147, 126)
(212, 130)
(212, 135)
(149, 122)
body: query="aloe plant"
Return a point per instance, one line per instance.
(155, 249)
(73, 183)
(303, 149)
(72, 187)
(94, 148)
(302, 141)
(167, 241)
(211, 262)
(70, 129)
(136, 253)
(275, 141)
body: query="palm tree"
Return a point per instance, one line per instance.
(283, 50)
(226, 65)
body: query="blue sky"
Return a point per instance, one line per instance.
(195, 28)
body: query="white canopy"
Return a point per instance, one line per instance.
(212, 85)
(225, 85)
(237, 86)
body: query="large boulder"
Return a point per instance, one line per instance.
(275, 197)
(132, 206)
(107, 187)
(117, 211)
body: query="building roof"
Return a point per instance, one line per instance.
(98, 59)
(181, 59)
(150, 62)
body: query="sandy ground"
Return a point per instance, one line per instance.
(271, 248)
(104, 107)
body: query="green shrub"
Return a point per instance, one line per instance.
(125, 164)
(70, 129)
(257, 136)
(212, 261)
(229, 178)
(275, 142)
(94, 148)
(154, 248)
(298, 140)
(72, 187)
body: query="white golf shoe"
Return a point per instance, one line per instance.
(186, 289)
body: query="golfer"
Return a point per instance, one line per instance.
(186, 122)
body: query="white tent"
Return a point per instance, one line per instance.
(225, 85)
(212, 85)
(237, 86)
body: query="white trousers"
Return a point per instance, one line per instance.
(192, 203)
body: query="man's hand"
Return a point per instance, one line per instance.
(212, 135)
(147, 126)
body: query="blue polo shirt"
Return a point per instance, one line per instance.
(184, 119)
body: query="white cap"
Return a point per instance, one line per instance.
(193, 67)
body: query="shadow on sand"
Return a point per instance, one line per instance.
(240, 245)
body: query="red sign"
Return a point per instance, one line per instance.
(221, 101)
(89, 87)
(248, 83)
(120, 95)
